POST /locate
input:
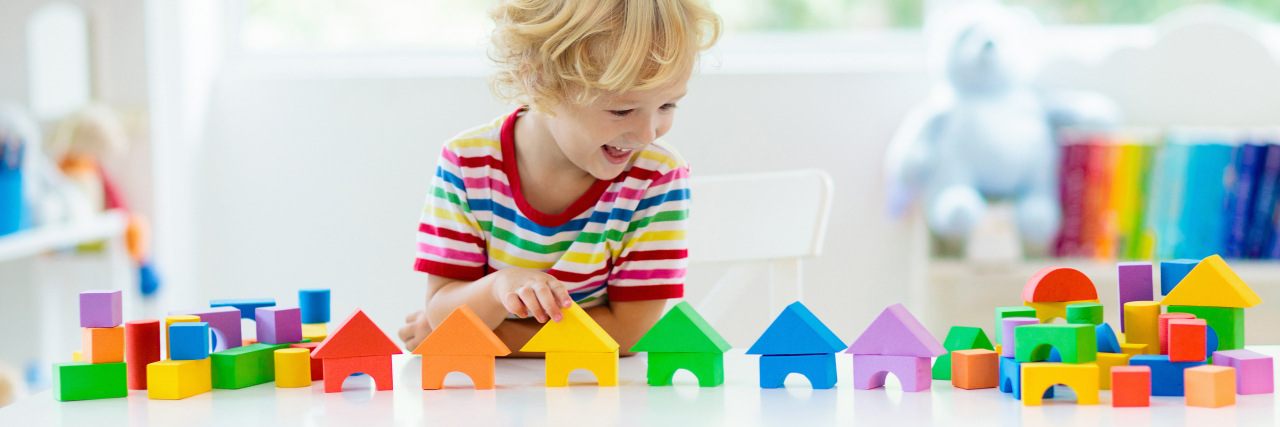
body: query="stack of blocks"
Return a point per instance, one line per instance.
(461, 343)
(241, 366)
(1058, 292)
(682, 339)
(797, 342)
(959, 338)
(102, 372)
(897, 343)
(356, 346)
(315, 313)
(188, 371)
(576, 342)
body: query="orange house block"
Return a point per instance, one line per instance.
(102, 345)
(1210, 386)
(1130, 386)
(975, 369)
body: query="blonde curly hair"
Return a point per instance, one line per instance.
(553, 51)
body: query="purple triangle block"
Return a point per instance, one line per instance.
(895, 332)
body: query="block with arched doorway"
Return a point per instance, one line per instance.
(871, 370)
(357, 346)
(1039, 376)
(1077, 343)
(461, 343)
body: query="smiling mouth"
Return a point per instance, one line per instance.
(616, 155)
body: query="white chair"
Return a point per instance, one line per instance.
(774, 218)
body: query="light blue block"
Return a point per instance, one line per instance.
(315, 305)
(1172, 272)
(1011, 378)
(246, 306)
(1107, 341)
(820, 369)
(189, 341)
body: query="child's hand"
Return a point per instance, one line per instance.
(531, 293)
(415, 329)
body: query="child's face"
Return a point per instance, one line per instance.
(601, 138)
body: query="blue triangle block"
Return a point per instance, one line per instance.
(797, 331)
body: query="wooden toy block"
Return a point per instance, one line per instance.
(480, 369)
(959, 338)
(77, 356)
(247, 307)
(1210, 386)
(1130, 386)
(141, 347)
(1172, 272)
(316, 332)
(356, 336)
(1009, 325)
(315, 305)
(338, 369)
(1085, 312)
(1212, 284)
(1187, 340)
(1056, 284)
(1163, 328)
(1254, 371)
(1011, 378)
(1226, 322)
(224, 323)
(101, 309)
(244, 366)
(1107, 341)
(462, 334)
(317, 365)
(278, 325)
(1075, 342)
(707, 367)
(1047, 311)
(1013, 311)
(86, 381)
(1135, 284)
(975, 369)
(682, 330)
(293, 367)
(1166, 376)
(102, 345)
(819, 369)
(168, 322)
(895, 332)
(871, 370)
(1142, 324)
(1081, 377)
(603, 365)
(178, 379)
(797, 331)
(1105, 362)
(1134, 349)
(189, 341)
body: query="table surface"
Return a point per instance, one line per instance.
(521, 399)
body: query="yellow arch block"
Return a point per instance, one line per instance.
(603, 365)
(1039, 376)
(1047, 311)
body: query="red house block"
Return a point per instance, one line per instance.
(356, 346)
(1130, 386)
(1187, 340)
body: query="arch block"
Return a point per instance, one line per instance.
(1058, 284)
(820, 369)
(1075, 342)
(708, 367)
(603, 365)
(336, 370)
(479, 368)
(1011, 378)
(870, 371)
(1081, 377)
(1047, 311)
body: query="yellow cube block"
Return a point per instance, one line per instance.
(1039, 376)
(293, 367)
(315, 332)
(77, 356)
(179, 379)
(1105, 362)
(603, 365)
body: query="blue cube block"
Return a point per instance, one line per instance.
(1172, 272)
(315, 305)
(246, 306)
(189, 341)
(1166, 376)
(1011, 378)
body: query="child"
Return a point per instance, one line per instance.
(570, 198)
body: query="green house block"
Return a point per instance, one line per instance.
(708, 367)
(1227, 322)
(85, 381)
(1076, 342)
(959, 338)
(246, 366)
(1013, 311)
(682, 339)
(1085, 313)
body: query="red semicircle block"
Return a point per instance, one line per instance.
(1057, 284)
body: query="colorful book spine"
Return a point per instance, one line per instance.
(1260, 224)
(1201, 221)
(1071, 186)
(1242, 179)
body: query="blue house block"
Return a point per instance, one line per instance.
(1166, 376)
(315, 305)
(189, 341)
(820, 369)
(246, 306)
(1011, 378)
(1172, 272)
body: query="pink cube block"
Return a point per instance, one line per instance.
(1253, 370)
(279, 325)
(101, 309)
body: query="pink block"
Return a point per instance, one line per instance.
(223, 321)
(1254, 371)
(870, 371)
(101, 309)
(1010, 347)
(896, 332)
(279, 325)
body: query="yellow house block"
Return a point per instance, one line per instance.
(315, 332)
(603, 365)
(1105, 362)
(1047, 311)
(1039, 376)
(179, 379)
(293, 367)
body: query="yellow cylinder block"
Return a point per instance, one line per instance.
(293, 367)
(1141, 324)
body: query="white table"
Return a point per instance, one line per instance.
(520, 399)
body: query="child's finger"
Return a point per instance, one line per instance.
(513, 304)
(412, 317)
(563, 299)
(548, 301)
(531, 303)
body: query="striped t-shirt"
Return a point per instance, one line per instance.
(624, 240)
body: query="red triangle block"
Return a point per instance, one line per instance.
(356, 337)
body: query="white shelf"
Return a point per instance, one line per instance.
(36, 241)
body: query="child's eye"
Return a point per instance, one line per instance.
(668, 106)
(620, 113)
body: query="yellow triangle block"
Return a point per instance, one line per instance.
(1212, 284)
(577, 332)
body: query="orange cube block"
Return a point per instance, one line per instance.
(102, 345)
(1210, 386)
(1130, 386)
(975, 369)
(1187, 340)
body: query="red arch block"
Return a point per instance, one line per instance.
(336, 370)
(1057, 284)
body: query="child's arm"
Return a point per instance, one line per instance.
(625, 321)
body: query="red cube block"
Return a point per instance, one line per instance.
(1187, 340)
(317, 365)
(1130, 386)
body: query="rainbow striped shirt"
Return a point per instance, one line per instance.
(624, 240)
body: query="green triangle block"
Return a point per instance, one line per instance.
(959, 338)
(682, 330)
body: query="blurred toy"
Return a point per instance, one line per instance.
(48, 196)
(986, 132)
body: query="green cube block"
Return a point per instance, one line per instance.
(1086, 313)
(1077, 343)
(1227, 322)
(1012, 311)
(245, 366)
(708, 367)
(85, 381)
(959, 338)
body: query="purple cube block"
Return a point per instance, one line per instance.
(279, 325)
(224, 321)
(101, 309)
(1254, 371)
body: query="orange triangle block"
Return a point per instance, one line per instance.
(356, 337)
(462, 334)
(1212, 283)
(576, 333)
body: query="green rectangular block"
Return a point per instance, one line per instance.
(245, 366)
(1089, 313)
(959, 338)
(1011, 311)
(85, 381)
(1227, 322)
(1077, 343)
(708, 367)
